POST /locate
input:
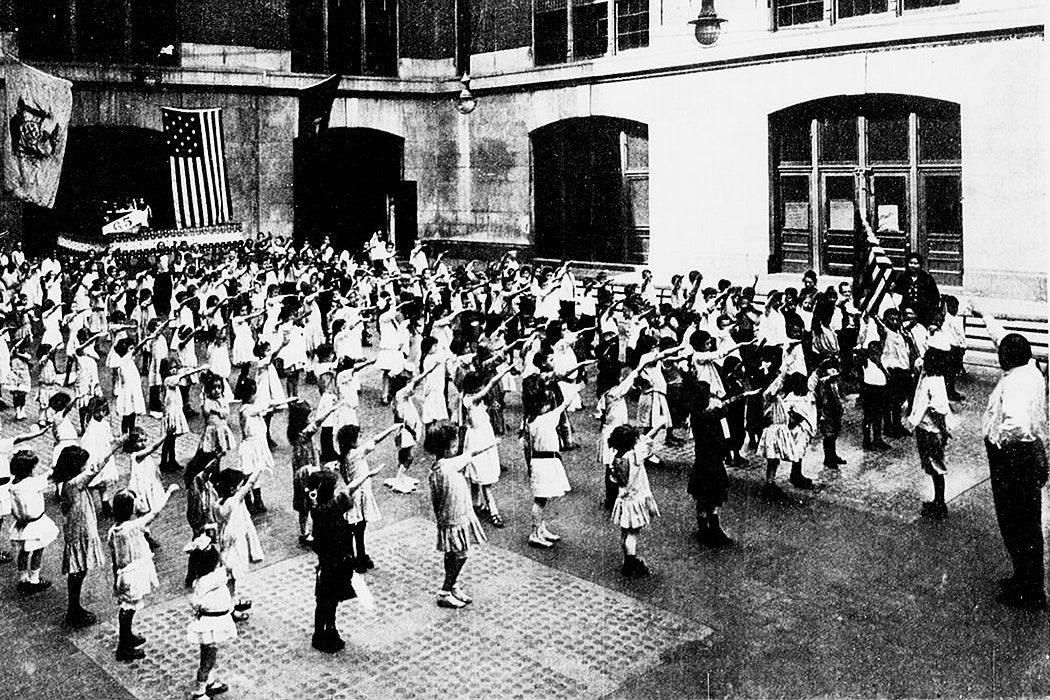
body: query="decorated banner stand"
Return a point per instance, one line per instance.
(206, 239)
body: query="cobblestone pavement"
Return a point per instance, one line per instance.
(845, 594)
(532, 632)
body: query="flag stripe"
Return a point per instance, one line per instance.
(197, 163)
(175, 193)
(224, 193)
(877, 274)
(209, 165)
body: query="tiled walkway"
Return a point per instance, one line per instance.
(533, 631)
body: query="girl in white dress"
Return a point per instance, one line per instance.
(254, 448)
(33, 529)
(363, 507)
(97, 440)
(635, 506)
(484, 470)
(127, 388)
(412, 432)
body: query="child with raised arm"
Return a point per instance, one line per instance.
(363, 507)
(213, 612)
(305, 461)
(406, 413)
(484, 470)
(635, 506)
(333, 541)
(7, 449)
(83, 546)
(458, 528)
(929, 417)
(134, 574)
(546, 471)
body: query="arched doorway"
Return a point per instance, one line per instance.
(348, 185)
(103, 164)
(910, 150)
(591, 190)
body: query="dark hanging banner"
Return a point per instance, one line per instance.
(315, 106)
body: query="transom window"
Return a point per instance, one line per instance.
(792, 13)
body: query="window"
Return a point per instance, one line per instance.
(590, 28)
(597, 28)
(632, 24)
(888, 139)
(920, 4)
(792, 12)
(838, 140)
(856, 8)
(551, 32)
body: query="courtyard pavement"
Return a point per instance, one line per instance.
(846, 594)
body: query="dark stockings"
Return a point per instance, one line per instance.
(74, 585)
(453, 565)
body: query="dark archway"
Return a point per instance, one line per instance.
(591, 190)
(348, 183)
(103, 163)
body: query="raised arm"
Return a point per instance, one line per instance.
(31, 435)
(489, 385)
(95, 466)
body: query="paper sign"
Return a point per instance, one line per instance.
(889, 218)
(796, 215)
(841, 215)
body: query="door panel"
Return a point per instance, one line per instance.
(838, 224)
(941, 226)
(794, 222)
(891, 217)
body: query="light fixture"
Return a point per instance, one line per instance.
(707, 27)
(465, 103)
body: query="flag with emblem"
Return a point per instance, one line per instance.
(197, 158)
(876, 276)
(38, 107)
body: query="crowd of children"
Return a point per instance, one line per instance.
(237, 335)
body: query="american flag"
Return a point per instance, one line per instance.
(876, 277)
(197, 157)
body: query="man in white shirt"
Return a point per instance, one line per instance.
(1015, 431)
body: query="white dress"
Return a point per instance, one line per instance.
(128, 389)
(484, 468)
(548, 477)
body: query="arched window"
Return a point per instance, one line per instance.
(591, 190)
(909, 150)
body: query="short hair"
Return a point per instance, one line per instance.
(623, 437)
(23, 463)
(71, 461)
(1014, 351)
(124, 505)
(323, 482)
(59, 402)
(347, 438)
(439, 437)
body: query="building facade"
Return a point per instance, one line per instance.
(603, 130)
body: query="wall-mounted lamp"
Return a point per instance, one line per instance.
(707, 27)
(466, 102)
